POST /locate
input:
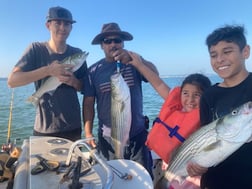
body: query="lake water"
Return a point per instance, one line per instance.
(23, 113)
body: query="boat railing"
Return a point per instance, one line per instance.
(95, 155)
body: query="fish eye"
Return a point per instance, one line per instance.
(234, 112)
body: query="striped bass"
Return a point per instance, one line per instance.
(52, 82)
(212, 143)
(120, 114)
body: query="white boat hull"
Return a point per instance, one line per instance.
(95, 179)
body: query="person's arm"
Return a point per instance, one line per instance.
(18, 78)
(88, 118)
(71, 80)
(75, 83)
(149, 71)
(61, 71)
(194, 169)
(148, 64)
(125, 57)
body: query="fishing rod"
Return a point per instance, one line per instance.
(7, 147)
(10, 117)
(13, 152)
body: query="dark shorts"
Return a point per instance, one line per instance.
(136, 151)
(70, 135)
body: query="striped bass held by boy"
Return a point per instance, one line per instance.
(52, 83)
(120, 114)
(212, 143)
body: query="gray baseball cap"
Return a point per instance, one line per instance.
(59, 13)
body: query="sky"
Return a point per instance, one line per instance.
(169, 33)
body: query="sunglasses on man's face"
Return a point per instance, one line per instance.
(110, 40)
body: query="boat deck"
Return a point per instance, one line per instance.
(57, 149)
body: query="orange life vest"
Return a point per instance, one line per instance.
(172, 126)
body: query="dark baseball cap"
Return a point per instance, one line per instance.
(59, 13)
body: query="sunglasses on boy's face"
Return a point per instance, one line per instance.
(110, 40)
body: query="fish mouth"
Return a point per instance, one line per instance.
(246, 110)
(250, 104)
(249, 107)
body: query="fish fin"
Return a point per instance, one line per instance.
(212, 146)
(106, 131)
(33, 99)
(122, 106)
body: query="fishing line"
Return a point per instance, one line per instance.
(118, 66)
(10, 117)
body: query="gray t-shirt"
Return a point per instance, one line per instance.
(58, 111)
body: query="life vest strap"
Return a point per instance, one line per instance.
(173, 131)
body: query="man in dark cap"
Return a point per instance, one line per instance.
(111, 39)
(58, 113)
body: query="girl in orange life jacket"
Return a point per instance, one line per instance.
(178, 118)
(184, 100)
(177, 102)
